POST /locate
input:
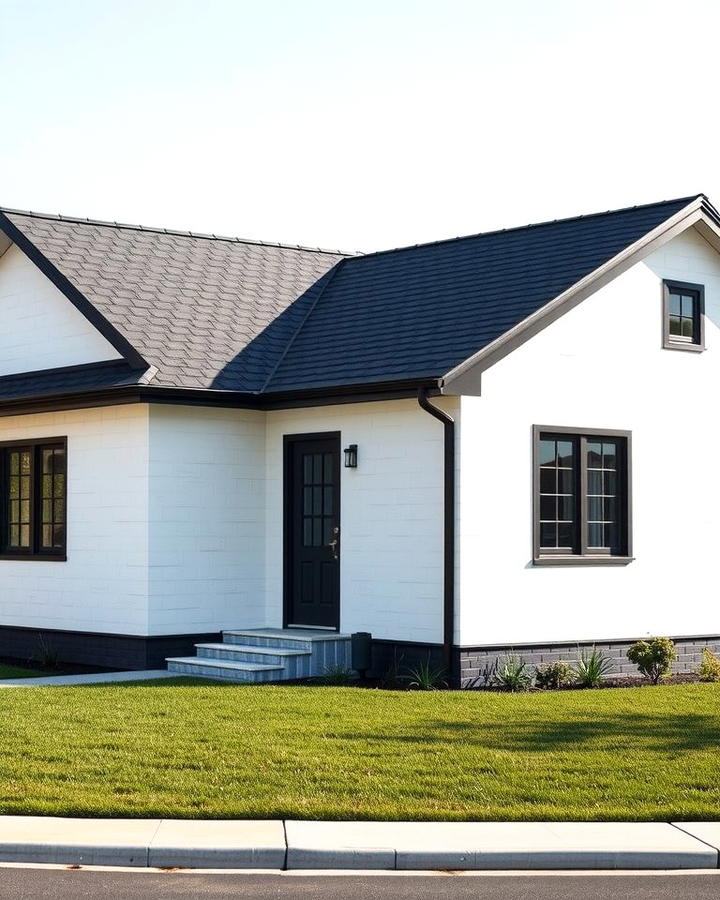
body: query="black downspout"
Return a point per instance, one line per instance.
(448, 528)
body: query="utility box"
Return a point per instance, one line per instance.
(361, 643)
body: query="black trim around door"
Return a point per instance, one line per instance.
(290, 519)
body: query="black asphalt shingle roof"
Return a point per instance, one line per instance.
(69, 380)
(232, 315)
(423, 310)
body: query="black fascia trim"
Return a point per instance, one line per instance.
(134, 359)
(132, 393)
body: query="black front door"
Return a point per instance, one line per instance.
(312, 530)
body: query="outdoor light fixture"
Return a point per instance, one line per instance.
(351, 456)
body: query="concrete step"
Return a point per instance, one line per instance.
(281, 637)
(328, 648)
(295, 663)
(229, 671)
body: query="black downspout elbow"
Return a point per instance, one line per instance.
(448, 528)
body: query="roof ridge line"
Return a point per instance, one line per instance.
(465, 237)
(152, 229)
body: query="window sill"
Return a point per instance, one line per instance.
(680, 345)
(583, 560)
(30, 557)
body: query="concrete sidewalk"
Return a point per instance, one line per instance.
(92, 678)
(409, 846)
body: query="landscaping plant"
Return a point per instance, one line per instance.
(709, 667)
(653, 658)
(513, 674)
(426, 677)
(554, 675)
(591, 667)
(337, 676)
(485, 678)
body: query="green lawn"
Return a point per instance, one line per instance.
(19, 672)
(213, 750)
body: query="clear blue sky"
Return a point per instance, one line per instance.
(355, 125)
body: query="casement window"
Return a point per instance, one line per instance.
(581, 497)
(683, 316)
(33, 499)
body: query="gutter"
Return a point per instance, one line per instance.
(448, 526)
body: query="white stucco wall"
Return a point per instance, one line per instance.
(391, 515)
(39, 326)
(600, 366)
(103, 584)
(207, 519)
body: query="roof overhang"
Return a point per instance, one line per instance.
(148, 393)
(465, 378)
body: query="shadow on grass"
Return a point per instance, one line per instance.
(658, 733)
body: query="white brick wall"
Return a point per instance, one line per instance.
(40, 328)
(103, 585)
(207, 519)
(600, 366)
(391, 514)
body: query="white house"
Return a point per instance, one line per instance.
(505, 441)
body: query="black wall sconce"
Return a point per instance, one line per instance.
(351, 456)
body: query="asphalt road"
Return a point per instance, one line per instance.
(53, 884)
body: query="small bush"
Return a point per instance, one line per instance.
(591, 667)
(426, 677)
(653, 658)
(337, 676)
(513, 675)
(554, 675)
(709, 667)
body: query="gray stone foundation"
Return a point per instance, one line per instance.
(473, 661)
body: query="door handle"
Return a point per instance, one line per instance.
(333, 545)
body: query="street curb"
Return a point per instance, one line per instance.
(387, 846)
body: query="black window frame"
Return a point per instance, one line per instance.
(35, 551)
(583, 555)
(697, 291)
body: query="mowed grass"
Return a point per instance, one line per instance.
(19, 672)
(189, 749)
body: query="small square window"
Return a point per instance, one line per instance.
(683, 316)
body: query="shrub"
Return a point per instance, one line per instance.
(709, 667)
(653, 658)
(337, 676)
(513, 675)
(426, 677)
(591, 667)
(554, 675)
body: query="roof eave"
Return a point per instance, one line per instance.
(148, 393)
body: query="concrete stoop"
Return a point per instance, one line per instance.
(408, 846)
(266, 654)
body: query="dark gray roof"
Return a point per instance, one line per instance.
(69, 380)
(232, 315)
(205, 311)
(421, 311)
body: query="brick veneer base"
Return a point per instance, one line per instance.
(110, 651)
(473, 660)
